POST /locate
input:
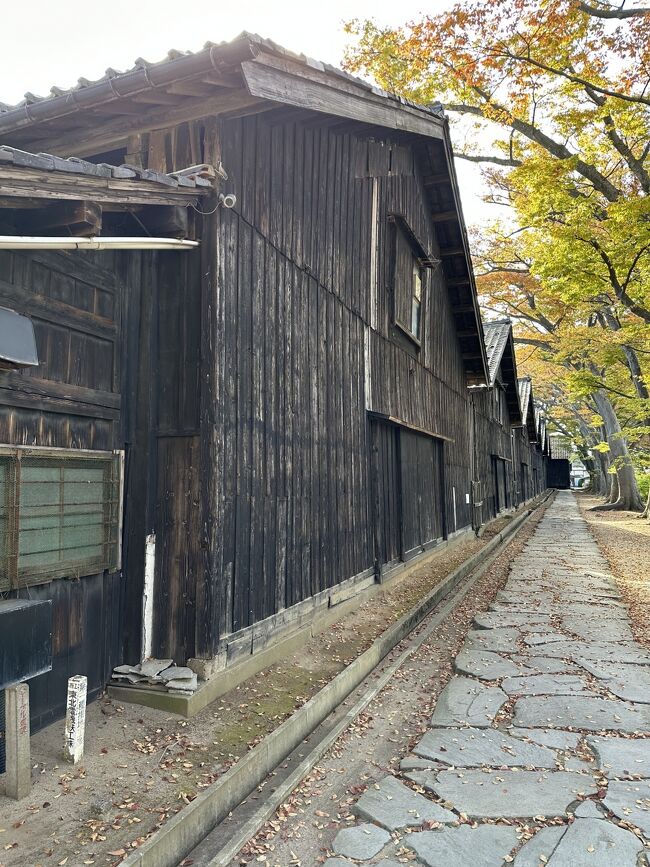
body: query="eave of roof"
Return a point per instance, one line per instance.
(501, 357)
(248, 71)
(47, 177)
(190, 178)
(526, 402)
(218, 58)
(496, 339)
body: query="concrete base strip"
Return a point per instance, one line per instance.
(180, 834)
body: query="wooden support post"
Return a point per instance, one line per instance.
(75, 718)
(19, 765)
(81, 219)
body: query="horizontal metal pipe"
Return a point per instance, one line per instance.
(29, 242)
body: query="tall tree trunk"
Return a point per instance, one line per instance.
(597, 480)
(614, 490)
(646, 511)
(631, 359)
(628, 498)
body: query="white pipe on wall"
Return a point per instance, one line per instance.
(28, 242)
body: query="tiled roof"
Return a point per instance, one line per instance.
(525, 386)
(193, 177)
(496, 339)
(124, 83)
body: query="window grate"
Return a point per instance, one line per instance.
(59, 514)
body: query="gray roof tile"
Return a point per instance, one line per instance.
(257, 42)
(525, 387)
(199, 176)
(496, 339)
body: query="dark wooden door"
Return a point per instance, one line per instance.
(500, 485)
(524, 483)
(422, 491)
(386, 492)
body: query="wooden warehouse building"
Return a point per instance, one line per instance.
(267, 423)
(496, 413)
(530, 466)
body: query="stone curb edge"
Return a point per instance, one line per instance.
(180, 834)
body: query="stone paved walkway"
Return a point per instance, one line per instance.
(538, 754)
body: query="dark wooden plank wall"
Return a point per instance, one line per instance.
(421, 492)
(522, 465)
(424, 388)
(386, 493)
(493, 451)
(72, 400)
(295, 450)
(176, 465)
(291, 308)
(529, 464)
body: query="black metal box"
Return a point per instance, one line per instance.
(25, 639)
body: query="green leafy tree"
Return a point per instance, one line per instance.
(562, 90)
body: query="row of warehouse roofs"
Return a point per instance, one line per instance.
(502, 367)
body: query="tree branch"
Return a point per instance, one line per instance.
(531, 341)
(619, 290)
(620, 13)
(555, 148)
(576, 79)
(635, 262)
(484, 158)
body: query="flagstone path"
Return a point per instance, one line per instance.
(538, 751)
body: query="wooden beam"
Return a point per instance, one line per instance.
(454, 282)
(81, 219)
(400, 422)
(189, 88)
(214, 78)
(452, 251)
(169, 222)
(463, 308)
(434, 180)
(116, 109)
(106, 135)
(157, 97)
(285, 81)
(443, 216)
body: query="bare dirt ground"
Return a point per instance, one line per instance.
(300, 832)
(624, 539)
(142, 765)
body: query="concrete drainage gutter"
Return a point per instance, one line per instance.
(182, 833)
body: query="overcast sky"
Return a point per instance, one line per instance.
(56, 43)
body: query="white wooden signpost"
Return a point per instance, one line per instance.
(75, 718)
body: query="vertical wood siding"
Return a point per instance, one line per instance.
(74, 399)
(290, 304)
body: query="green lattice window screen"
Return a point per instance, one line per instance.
(59, 515)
